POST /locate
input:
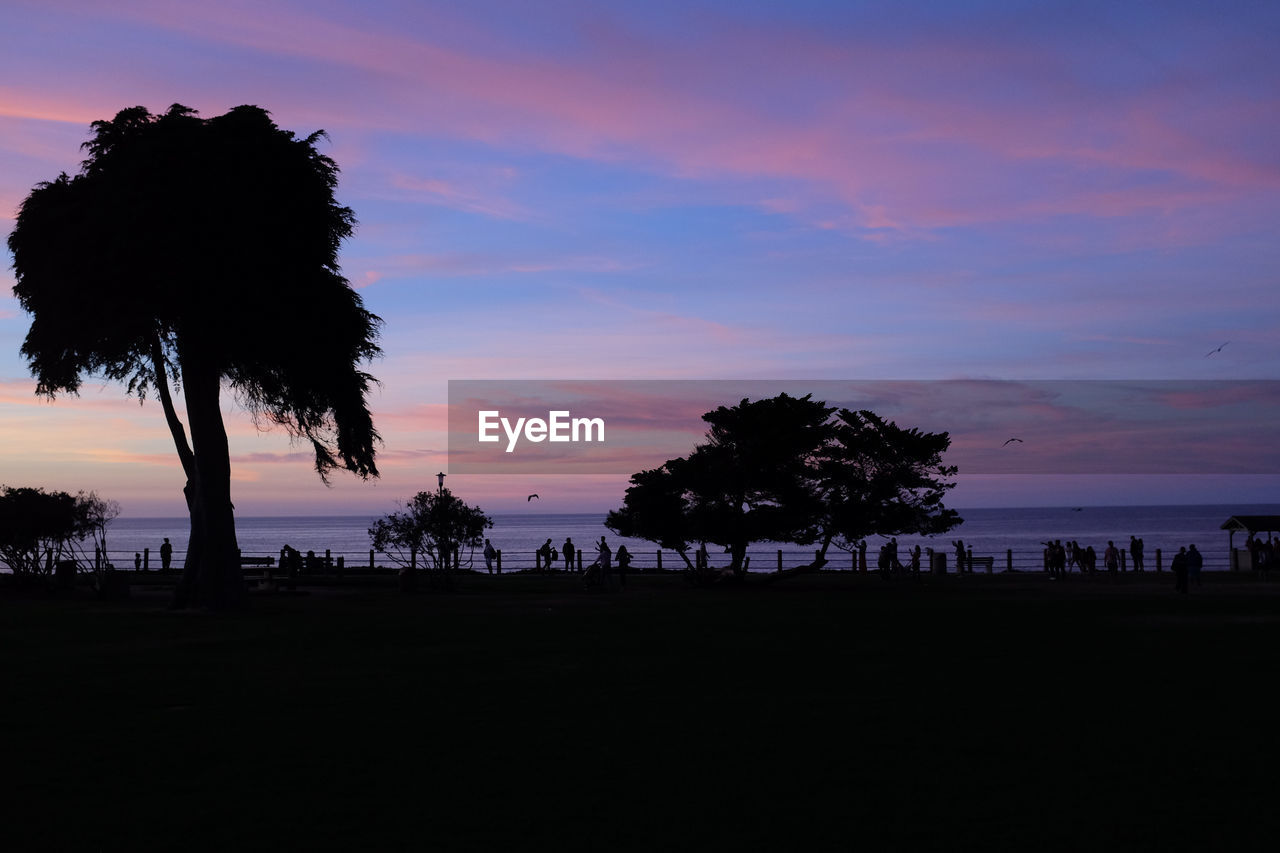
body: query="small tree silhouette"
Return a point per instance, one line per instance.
(431, 526)
(203, 252)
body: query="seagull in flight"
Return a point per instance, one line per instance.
(531, 497)
(1219, 349)
(1012, 439)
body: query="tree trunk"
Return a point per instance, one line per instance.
(216, 579)
(183, 593)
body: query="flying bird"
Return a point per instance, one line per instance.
(531, 497)
(1012, 439)
(1219, 349)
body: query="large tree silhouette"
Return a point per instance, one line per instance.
(203, 252)
(791, 469)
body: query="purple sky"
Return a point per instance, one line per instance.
(730, 190)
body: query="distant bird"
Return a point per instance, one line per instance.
(1012, 439)
(1219, 349)
(531, 497)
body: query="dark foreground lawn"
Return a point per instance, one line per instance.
(820, 713)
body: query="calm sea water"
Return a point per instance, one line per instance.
(987, 531)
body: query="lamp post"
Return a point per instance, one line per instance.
(440, 478)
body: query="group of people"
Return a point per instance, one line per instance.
(547, 557)
(1262, 554)
(1060, 558)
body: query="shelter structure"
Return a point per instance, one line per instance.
(1250, 525)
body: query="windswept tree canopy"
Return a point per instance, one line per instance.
(217, 241)
(791, 469)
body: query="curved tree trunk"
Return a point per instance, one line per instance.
(216, 578)
(182, 594)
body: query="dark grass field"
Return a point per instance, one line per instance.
(832, 712)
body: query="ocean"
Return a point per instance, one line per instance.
(989, 532)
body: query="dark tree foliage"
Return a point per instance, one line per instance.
(203, 252)
(39, 529)
(879, 478)
(791, 469)
(430, 528)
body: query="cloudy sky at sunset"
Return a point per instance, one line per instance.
(700, 190)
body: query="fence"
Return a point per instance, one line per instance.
(760, 560)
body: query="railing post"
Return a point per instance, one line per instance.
(779, 559)
(1159, 561)
(328, 559)
(1008, 560)
(499, 558)
(659, 559)
(371, 558)
(579, 553)
(413, 558)
(817, 555)
(146, 559)
(1122, 560)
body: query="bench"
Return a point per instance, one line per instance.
(986, 562)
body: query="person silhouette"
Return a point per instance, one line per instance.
(137, 561)
(1111, 557)
(166, 555)
(568, 551)
(1179, 566)
(490, 553)
(606, 557)
(544, 556)
(1195, 562)
(624, 560)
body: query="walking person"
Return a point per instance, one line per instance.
(568, 550)
(1136, 549)
(544, 557)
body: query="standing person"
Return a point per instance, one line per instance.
(624, 560)
(1179, 566)
(894, 565)
(1195, 562)
(605, 556)
(568, 550)
(137, 561)
(1111, 557)
(544, 556)
(166, 555)
(490, 553)
(1091, 559)
(959, 545)
(700, 558)
(862, 555)
(1135, 551)
(915, 560)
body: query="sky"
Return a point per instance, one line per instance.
(699, 190)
